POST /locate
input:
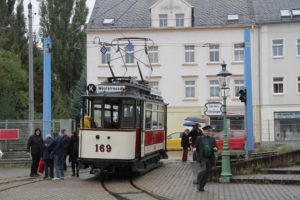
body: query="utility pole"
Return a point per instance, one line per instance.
(30, 55)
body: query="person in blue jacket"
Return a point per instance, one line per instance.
(48, 147)
(58, 156)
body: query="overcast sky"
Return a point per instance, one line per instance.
(35, 9)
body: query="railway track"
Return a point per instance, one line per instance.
(12, 183)
(124, 189)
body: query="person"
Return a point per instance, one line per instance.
(87, 121)
(205, 146)
(185, 144)
(1, 154)
(73, 153)
(194, 133)
(48, 147)
(58, 155)
(34, 146)
(66, 140)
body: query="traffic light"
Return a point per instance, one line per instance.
(243, 95)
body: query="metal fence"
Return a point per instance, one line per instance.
(20, 144)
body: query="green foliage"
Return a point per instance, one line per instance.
(13, 87)
(63, 21)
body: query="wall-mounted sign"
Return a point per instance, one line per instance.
(213, 108)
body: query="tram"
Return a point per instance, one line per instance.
(123, 126)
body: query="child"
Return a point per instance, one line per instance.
(185, 143)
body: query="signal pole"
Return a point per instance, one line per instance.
(31, 77)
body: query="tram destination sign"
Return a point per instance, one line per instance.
(110, 88)
(213, 108)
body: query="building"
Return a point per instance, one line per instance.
(192, 38)
(278, 74)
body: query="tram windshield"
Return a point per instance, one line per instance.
(114, 113)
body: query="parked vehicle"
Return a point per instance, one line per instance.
(236, 139)
(174, 141)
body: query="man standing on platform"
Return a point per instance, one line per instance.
(194, 133)
(205, 146)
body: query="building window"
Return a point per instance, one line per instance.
(214, 88)
(239, 52)
(129, 57)
(238, 85)
(277, 47)
(163, 20)
(153, 54)
(105, 58)
(214, 53)
(179, 20)
(189, 89)
(153, 84)
(298, 84)
(189, 54)
(278, 85)
(298, 47)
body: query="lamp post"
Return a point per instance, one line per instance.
(224, 79)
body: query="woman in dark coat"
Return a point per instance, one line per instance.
(73, 152)
(34, 146)
(185, 144)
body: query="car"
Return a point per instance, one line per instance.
(174, 141)
(236, 139)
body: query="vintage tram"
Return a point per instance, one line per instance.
(123, 126)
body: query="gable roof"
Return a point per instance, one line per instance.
(268, 11)
(137, 13)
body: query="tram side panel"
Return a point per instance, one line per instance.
(154, 141)
(119, 145)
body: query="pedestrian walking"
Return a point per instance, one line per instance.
(194, 133)
(185, 144)
(48, 147)
(205, 146)
(73, 153)
(34, 146)
(58, 156)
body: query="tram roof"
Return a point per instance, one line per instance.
(123, 87)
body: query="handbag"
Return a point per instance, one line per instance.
(41, 166)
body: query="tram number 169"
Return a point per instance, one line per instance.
(103, 148)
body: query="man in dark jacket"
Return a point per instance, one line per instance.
(194, 133)
(205, 146)
(66, 141)
(48, 147)
(34, 146)
(73, 153)
(185, 144)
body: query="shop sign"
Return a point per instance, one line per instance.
(287, 115)
(213, 109)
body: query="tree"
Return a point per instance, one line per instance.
(13, 90)
(63, 21)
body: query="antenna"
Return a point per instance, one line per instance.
(112, 73)
(141, 75)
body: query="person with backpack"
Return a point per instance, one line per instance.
(205, 146)
(73, 153)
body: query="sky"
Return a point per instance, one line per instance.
(35, 10)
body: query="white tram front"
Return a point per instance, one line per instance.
(123, 126)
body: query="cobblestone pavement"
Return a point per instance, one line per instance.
(173, 180)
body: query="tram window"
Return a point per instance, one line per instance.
(97, 115)
(154, 120)
(148, 119)
(128, 116)
(111, 116)
(160, 120)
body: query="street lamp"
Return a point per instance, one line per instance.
(224, 79)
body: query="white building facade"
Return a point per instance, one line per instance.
(192, 39)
